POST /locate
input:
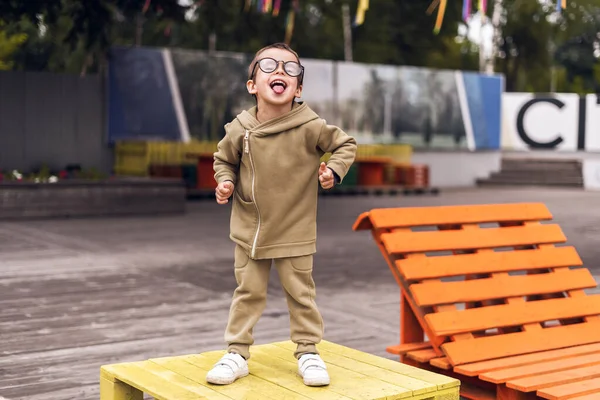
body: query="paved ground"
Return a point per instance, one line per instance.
(76, 294)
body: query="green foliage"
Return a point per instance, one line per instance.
(9, 44)
(76, 35)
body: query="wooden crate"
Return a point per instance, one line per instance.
(273, 375)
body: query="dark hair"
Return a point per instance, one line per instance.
(283, 46)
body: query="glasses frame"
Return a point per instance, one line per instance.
(257, 63)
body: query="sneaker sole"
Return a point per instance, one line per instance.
(314, 382)
(226, 381)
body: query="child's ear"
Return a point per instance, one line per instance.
(298, 92)
(251, 86)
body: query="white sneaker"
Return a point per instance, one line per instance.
(313, 371)
(229, 368)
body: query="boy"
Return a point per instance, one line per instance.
(269, 162)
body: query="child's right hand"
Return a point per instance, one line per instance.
(223, 192)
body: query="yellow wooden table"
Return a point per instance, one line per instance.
(273, 375)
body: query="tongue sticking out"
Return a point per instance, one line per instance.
(278, 88)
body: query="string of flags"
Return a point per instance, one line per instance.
(274, 8)
(468, 8)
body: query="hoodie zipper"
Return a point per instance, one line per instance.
(247, 150)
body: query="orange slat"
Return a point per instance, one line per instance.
(422, 356)
(485, 238)
(527, 359)
(441, 362)
(510, 344)
(571, 390)
(401, 349)
(500, 316)
(434, 293)
(543, 381)
(489, 262)
(388, 218)
(593, 396)
(525, 371)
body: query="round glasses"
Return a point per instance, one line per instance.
(268, 65)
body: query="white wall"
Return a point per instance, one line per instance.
(591, 174)
(570, 122)
(458, 169)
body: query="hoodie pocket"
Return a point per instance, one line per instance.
(243, 219)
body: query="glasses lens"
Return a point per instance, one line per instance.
(267, 65)
(293, 68)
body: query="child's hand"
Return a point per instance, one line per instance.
(326, 177)
(223, 192)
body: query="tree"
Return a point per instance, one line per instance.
(535, 39)
(524, 54)
(9, 44)
(84, 29)
(579, 52)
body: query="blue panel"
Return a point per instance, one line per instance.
(492, 87)
(475, 102)
(140, 101)
(484, 95)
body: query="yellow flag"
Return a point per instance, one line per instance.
(363, 6)
(440, 16)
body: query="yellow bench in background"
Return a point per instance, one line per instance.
(273, 375)
(134, 158)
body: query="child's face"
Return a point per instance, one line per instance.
(275, 88)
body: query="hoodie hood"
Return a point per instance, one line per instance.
(298, 115)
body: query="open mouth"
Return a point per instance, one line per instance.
(278, 86)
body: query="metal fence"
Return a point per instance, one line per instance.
(52, 119)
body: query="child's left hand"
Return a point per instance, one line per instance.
(326, 177)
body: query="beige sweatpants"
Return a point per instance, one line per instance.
(250, 298)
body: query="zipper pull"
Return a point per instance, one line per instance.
(246, 149)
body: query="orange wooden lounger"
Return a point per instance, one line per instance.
(499, 303)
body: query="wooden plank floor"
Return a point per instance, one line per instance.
(76, 294)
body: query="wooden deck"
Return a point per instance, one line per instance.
(77, 294)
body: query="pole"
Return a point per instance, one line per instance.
(496, 21)
(212, 42)
(483, 60)
(347, 33)
(139, 29)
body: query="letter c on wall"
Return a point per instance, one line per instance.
(521, 128)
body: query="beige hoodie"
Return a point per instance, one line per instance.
(274, 166)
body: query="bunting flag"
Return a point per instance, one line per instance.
(289, 25)
(276, 8)
(483, 10)
(560, 5)
(268, 5)
(432, 6)
(466, 12)
(363, 6)
(146, 6)
(440, 16)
